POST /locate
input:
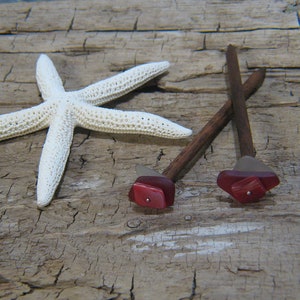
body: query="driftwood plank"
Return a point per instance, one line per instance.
(134, 15)
(91, 242)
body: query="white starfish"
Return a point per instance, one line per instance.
(62, 111)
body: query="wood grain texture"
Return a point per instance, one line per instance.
(91, 242)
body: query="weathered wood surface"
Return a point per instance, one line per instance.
(91, 242)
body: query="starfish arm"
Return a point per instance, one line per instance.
(117, 121)
(48, 80)
(121, 84)
(54, 155)
(25, 121)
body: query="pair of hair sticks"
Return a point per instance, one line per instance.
(249, 180)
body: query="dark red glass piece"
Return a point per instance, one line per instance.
(153, 192)
(247, 187)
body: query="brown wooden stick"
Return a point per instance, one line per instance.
(204, 137)
(239, 103)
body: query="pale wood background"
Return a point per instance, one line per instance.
(91, 242)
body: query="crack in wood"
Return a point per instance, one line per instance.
(28, 14)
(72, 21)
(132, 296)
(160, 155)
(73, 219)
(58, 274)
(194, 286)
(8, 73)
(135, 24)
(39, 217)
(83, 161)
(112, 155)
(85, 138)
(9, 189)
